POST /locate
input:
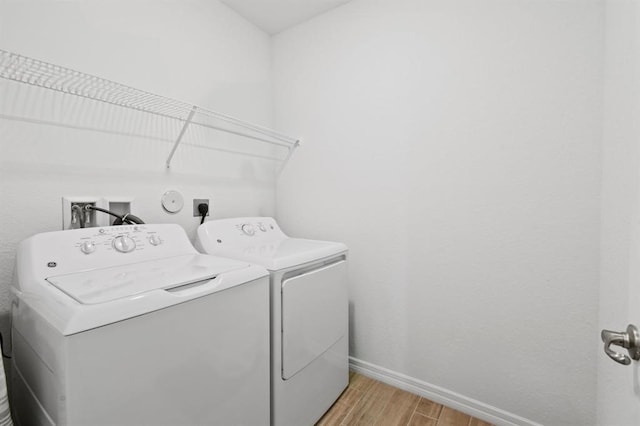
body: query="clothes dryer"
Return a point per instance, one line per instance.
(309, 312)
(130, 325)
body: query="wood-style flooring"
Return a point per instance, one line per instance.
(369, 402)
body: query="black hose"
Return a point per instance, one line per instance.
(120, 220)
(90, 207)
(129, 219)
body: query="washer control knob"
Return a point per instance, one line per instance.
(248, 229)
(262, 227)
(155, 240)
(124, 244)
(87, 247)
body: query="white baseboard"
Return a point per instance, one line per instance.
(440, 395)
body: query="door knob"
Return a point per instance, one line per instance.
(629, 340)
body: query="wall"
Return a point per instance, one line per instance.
(455, 147)
(618, 392)
(53, 145)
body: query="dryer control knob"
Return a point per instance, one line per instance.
(155, 240)
(248, 229)
(124, 244)
(87, 247)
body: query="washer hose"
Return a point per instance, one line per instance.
(128, 218)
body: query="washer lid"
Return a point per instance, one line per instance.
(108, 284)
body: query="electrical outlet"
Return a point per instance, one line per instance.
(197, 202)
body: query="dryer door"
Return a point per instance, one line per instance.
(314, 314)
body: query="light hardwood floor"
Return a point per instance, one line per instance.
(370, 402)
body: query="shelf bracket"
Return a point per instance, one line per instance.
(182, 132)
(286, 160)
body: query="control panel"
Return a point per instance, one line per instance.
(60, 252)
(254, 227)
(260, 240)
(245, 233)
(248, 229)
(121, 239)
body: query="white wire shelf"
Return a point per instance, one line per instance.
(23, 69)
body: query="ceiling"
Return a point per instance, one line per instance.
(274, 16)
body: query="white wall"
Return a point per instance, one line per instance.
(455, 147)
(193, 50)
(618, 393)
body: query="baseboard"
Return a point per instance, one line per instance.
(440, 395)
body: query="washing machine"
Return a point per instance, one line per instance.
(130, 325)
(309, 312)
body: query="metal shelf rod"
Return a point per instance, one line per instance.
(182, 132)
(246, 135)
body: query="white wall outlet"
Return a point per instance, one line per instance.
(75, 216)
(197, 202)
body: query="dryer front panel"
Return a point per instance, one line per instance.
(314, 314)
